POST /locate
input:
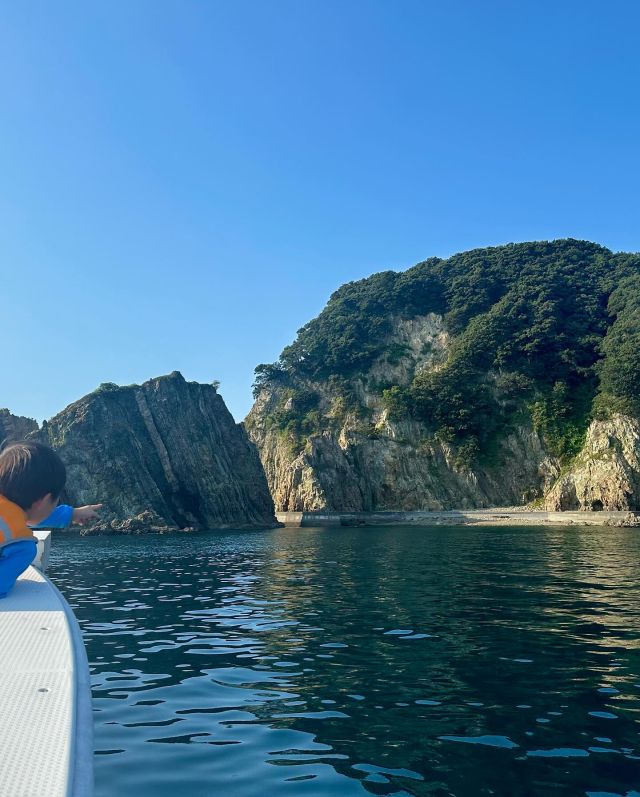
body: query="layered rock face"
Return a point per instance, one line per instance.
(14, 427)
(386, 464)
(169, 448)
(606, 474)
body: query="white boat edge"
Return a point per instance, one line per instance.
(45, 690)
(80, 781)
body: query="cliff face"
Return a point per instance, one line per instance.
(167, 447)
(14, 427)
(378, 463)
(606, 473)
(401, 470)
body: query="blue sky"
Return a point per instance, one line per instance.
(184, 183)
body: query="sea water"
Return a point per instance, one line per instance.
(390, 661)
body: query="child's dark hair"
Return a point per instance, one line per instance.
(29, 471)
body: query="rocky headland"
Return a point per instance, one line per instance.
(501, 377)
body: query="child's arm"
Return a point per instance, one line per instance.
(60, 518)
(64, 515)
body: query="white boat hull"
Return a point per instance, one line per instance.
(46, 723)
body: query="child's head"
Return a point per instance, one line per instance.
(32, 476)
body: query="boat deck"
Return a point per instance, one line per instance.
(45, 696)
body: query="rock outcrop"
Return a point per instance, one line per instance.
(606, 473)
(14, 427)
(168, 448)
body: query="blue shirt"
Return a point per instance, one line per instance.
(60, 518)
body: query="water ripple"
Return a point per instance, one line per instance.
(361, 661)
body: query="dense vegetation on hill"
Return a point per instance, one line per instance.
(551, 329)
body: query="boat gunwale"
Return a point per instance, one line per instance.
(80, 767)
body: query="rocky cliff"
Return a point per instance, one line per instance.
(14, 427)
(169, 448)
(500, 377)
(364, 459)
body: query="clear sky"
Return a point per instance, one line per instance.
(183, 183)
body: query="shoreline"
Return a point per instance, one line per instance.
(456, 517)
(509, 516)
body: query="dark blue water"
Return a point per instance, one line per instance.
(444, 661)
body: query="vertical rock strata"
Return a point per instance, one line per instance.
(168, 447)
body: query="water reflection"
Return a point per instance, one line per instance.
(362, 661)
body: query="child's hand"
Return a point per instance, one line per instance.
(83, 514)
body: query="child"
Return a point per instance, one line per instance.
(32, 477)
